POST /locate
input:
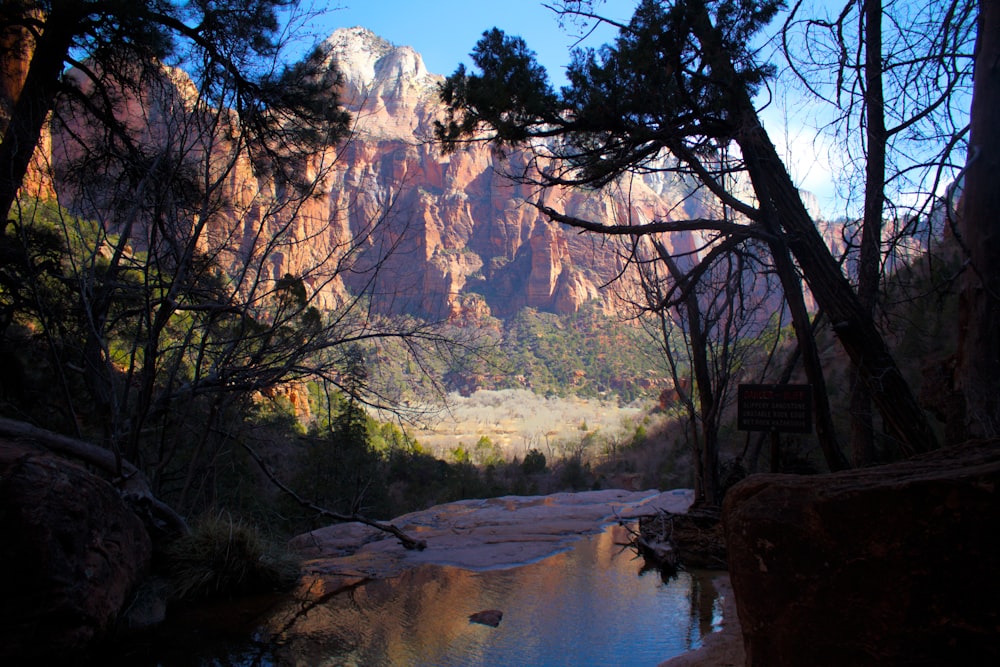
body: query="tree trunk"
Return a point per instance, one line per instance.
(792, 286)
(708, 471)
(833, 293)
(16, 48)
(870, 259)
(29, 110)
(979, 334)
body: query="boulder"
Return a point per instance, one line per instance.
(71, 554)
(892, 565)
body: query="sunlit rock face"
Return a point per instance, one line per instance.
(439, 227)
(466, 228)
(891, 565)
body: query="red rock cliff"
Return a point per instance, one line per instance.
(463, 226)
(456, 225)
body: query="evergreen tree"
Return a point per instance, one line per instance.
(229, 47)
(679, 81)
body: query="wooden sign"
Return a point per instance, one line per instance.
(782, 408)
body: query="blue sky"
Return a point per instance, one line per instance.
(445, 31)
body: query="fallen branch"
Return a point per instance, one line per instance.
(691, 539)
(130, 481)
(404, 539)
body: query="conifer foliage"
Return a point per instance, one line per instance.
(676, 92)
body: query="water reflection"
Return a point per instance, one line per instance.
(584, 606)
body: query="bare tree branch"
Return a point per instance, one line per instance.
(404, 539)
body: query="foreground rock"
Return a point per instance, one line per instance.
(895, 565)
(490, 617)
(71, 554)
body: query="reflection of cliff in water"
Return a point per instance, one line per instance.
(584, 606)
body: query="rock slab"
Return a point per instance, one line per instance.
(478, 534)
(894, 565)
(490, 617)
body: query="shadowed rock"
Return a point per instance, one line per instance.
(894, 565)
(490, 617)
(72, 553)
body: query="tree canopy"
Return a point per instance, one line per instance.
(149, 300)
(230, 49)
(675, 91)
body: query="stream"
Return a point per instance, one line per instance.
(588, 605)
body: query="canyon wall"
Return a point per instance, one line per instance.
(435, 235)
(451, 236)
(464, 234)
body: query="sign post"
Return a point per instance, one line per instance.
(778, 408)
(786, 408)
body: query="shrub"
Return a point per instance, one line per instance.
(222, 557)
(534, 462)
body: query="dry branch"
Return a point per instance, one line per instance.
(130, 481)
(404, 539)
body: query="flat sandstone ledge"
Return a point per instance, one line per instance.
(479, 534)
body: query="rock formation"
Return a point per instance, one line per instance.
(72, 553)
(892, 565)
(465, 228)
(456, 226)
(462, 235)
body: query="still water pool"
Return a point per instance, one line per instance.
(588, 605)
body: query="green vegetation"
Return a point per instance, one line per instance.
(589, 354)
(320, 440)
(534, 462)
(203, 451)
(333, 453)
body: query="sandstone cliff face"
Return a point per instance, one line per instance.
(458, 225)
(448, 233)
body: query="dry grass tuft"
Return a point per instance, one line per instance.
(225, 558)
